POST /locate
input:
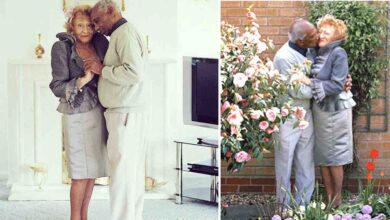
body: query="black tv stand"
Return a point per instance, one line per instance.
(206, 168)
(207, 141)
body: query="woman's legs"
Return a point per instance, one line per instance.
(77, 192)
(337, 174)
(87, 198)
(327, 178)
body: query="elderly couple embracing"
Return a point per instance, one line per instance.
(101, 90)
(326, 97)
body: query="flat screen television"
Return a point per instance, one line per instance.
(200, 97)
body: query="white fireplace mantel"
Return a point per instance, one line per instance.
(35, 134)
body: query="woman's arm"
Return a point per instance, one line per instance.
(339, 72)
(62, 85)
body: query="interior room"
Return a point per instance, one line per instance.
(33, 181)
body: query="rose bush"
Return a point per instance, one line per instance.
(254, 96)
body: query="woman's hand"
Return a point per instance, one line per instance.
(82, 81)
(304, 79)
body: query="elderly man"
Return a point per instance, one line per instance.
(295, 146)
(121, 90)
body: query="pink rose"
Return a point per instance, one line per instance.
(284, 112)
(265, 139)
(269, 131)
(255, 24)
(225, 105)
(261, 47)
(254, 61)
(239, 80)
(242, 156)
(269, 65)
(249, 72)
(255, 85)
(241, 57)
(225, 205)
(235, 117)
(256, 114)
(238, 97)
(271, 115)
(303, 124)
(263, 125)
(253, 30)
(234, 130)
(300, 113)
(251, 16)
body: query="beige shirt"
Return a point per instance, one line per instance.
(121, 84)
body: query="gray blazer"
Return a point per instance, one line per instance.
(67, 66)
(329, 73)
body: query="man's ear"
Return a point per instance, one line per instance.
(299, 42)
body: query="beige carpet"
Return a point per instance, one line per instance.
(99, 209)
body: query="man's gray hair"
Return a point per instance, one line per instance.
(298, 30)
(103, 5)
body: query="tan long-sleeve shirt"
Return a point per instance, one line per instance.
(121, 84)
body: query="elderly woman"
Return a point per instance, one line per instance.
(83, 121)
(332, 106)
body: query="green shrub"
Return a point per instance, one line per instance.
(366, 34)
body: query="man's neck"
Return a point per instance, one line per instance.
(297, 48)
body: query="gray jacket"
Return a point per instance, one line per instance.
(329, 72)
(67, 66)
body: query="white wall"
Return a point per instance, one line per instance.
(198, 36)
(176, 28)
(3, 97)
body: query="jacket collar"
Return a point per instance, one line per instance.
(117, 25)
(98, 40)
(327, 48)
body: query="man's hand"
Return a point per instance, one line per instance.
(348, 83)
(93, 66)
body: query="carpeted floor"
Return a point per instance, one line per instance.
(99, 209)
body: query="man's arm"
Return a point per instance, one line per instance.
(304, 91)
(130, 51)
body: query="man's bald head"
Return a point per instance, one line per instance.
(303, 33)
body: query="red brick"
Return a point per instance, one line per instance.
(255, 4)
(238, 181)
(251, 189)
(269, 189)
(262, 181)
(268, 30)
(229, 188)
(284, 30)
(266, 12)
(292, 12)
(277, 39)
(280, 21)
(232, 21)
(299, 4)
(223, 12)
(225, 4)
(236, 11)
(282, 4)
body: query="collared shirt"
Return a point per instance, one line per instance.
(117, 24)
(298, 48)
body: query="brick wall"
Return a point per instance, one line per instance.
(274, 18)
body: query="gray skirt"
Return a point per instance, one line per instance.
(85, 137)
(333, 137)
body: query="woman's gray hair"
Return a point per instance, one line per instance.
(103, 5)
(298, 30)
